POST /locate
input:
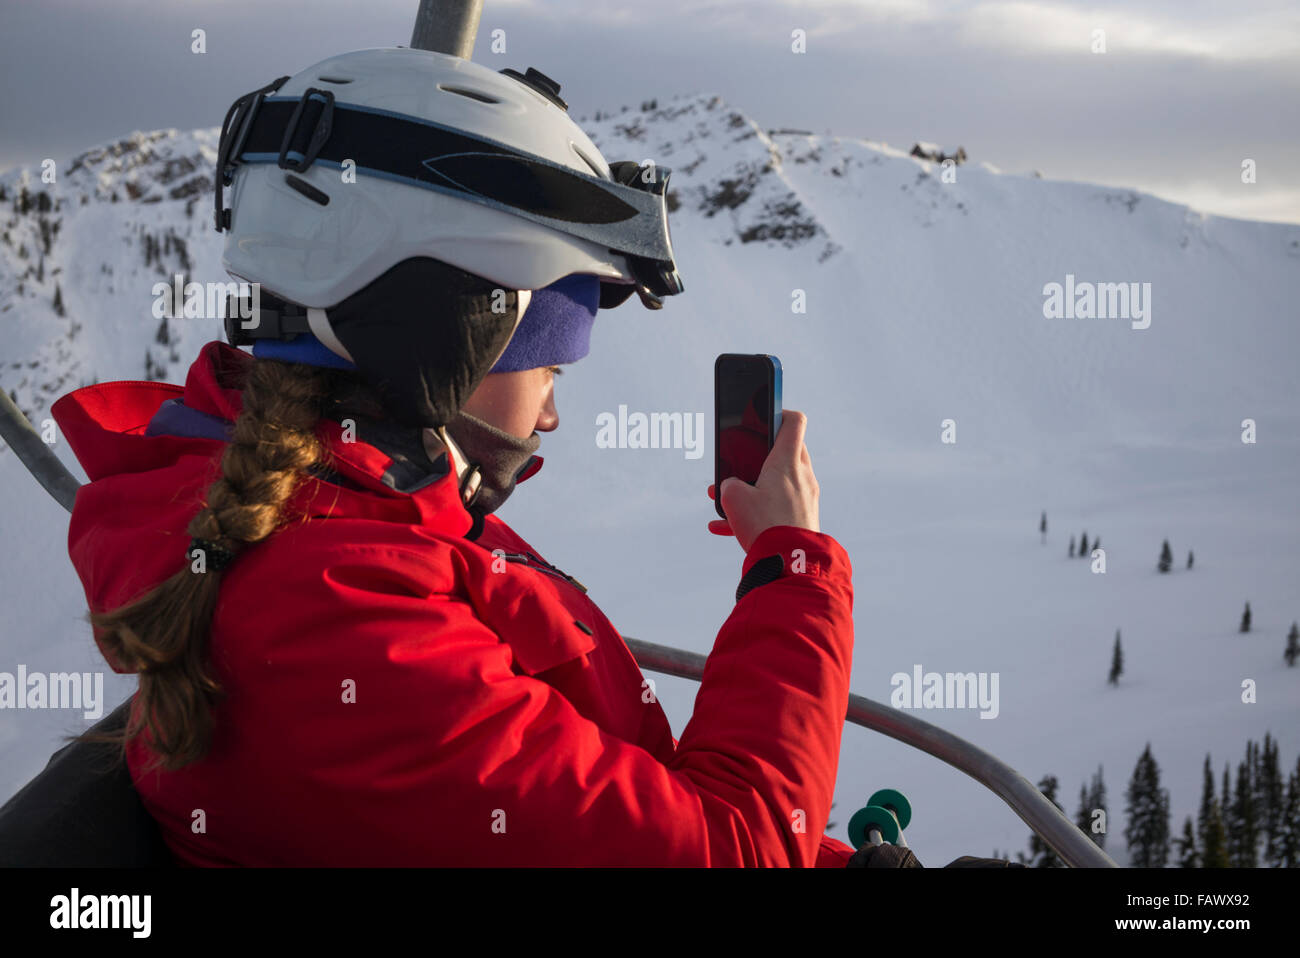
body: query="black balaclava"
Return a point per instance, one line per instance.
(500, 457)
(495, 458)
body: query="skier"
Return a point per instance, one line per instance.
(344, 656)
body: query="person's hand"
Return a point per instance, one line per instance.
(883, 856)
(786, 493)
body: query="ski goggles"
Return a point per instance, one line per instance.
(627, 214)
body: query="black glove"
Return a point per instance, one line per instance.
(968, 861)
(883, 856)
(896, 856)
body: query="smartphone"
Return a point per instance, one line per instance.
(746, 416)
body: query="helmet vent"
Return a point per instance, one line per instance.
(472, 94)
(595, 167)
(334, 79)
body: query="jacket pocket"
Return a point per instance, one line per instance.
(541, 630)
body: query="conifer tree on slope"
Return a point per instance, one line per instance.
(1040, 853)
(1083, 817)
(1290, 835)
(1243, 834)
(1209, 825)
(1147, 829)
(1186, 846)
(1097, 798)
(1272, 795)
(1092, 798)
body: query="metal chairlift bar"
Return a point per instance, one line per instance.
(1044, 818)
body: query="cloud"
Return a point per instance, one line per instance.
(1064, 27)
(1257, 30)
(1186, 90)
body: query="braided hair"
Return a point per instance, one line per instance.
(164, 634)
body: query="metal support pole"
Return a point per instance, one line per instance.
(447, 26)
(39, 459)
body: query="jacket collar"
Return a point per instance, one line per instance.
(106, 426)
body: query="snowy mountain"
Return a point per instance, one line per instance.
(898, 295)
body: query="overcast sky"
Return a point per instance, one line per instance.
(1185, 91)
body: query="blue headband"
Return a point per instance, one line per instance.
(303, 348)
(556, 327)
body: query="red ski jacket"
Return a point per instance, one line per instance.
(398, 694)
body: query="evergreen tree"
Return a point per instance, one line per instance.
(1215, 853)
(1231, 824)
(1243, 832)
(1083, 817)
(1245, 619)
(1116, 662)
(1096, 544)
(1189, 559)
(58, 300)
(1097, 799)
(1042, 527)
(1253, 763)
(1209, 825)
(1071, 547)
(1186, 846)
(1147, 829)
(1271, 802)
(1166, 558)
(1292, 645)
(1083, 545)
(1040, 853)
(1290, 834)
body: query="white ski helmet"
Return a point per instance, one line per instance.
(366, 159)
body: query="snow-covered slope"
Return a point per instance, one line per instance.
(924, 302)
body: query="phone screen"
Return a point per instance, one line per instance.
(747, 416)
